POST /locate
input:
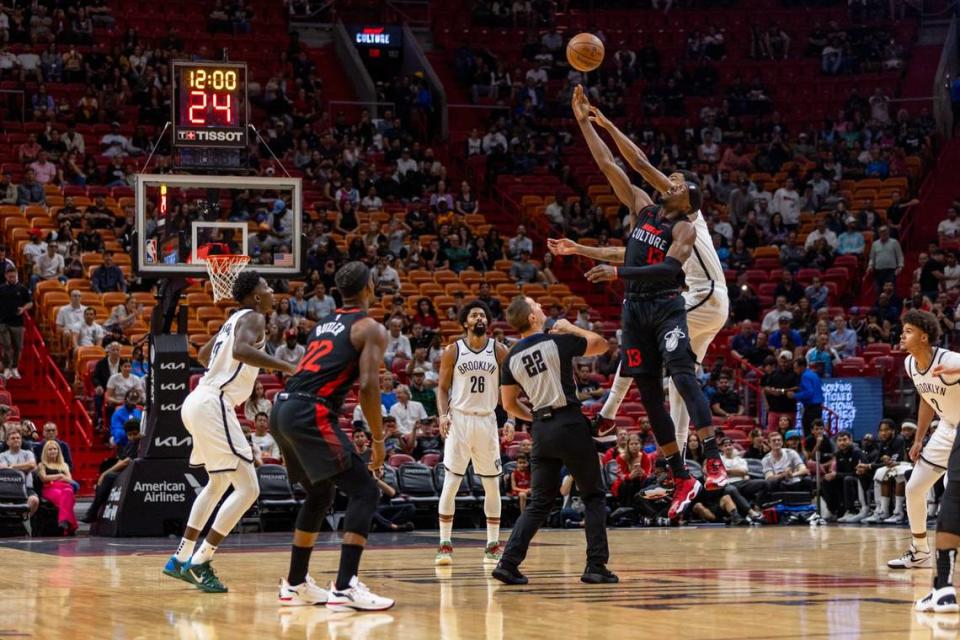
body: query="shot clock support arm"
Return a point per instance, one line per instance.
(153, 150)
(264, 143)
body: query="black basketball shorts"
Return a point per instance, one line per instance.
(309, 436)
(655, 336)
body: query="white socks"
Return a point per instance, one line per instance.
(920, 544)
(185, 550)
(204, 554)
(446, 529)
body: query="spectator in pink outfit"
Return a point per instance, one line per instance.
(56, 478)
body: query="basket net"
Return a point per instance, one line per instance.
(223, 271)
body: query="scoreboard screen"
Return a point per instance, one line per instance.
(210, 104)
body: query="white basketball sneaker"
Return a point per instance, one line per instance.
(939, 601)
(306, 594)
(357, 597)
(912, 558)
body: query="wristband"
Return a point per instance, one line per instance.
(381, 440)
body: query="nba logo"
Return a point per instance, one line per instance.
(151, 251)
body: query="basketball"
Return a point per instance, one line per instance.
(585, 52)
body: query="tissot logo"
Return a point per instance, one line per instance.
(170, 407)
(171, 386)
(173, 441)
(172, 366)
(210, 136)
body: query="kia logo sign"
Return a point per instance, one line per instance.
(173, 441)
(172, 366)
(173, 386)
(170, 407)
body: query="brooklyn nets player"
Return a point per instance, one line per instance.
(234, 358)
(467, 396)
(936, 374)
(921, 331)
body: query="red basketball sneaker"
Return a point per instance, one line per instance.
(684, 491)
(603, 426)
(715, 473)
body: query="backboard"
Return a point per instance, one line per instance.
(181, 218)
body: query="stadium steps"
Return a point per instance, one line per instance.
(460, 119)
(44, 395)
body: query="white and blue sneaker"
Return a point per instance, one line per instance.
(356, 597)
(305, 594)
(939, 601)
(174, 567)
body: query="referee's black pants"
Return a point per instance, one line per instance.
(563, 440)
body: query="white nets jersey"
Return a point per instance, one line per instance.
(476, 379)
(225, 374)
(703, 270)
(941, 392)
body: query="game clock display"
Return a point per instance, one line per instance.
(210, 104)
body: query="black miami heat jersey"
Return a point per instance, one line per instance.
(648, 243)
(330, 365)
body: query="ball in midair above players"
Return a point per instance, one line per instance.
(585, 52)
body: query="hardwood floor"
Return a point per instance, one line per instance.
(757, 583)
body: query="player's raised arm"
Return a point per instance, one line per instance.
(634, 156)
(447, 361)
(633, 197)
(370, 338)
(249, 333)
(668, 271)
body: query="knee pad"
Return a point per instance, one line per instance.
(314, 507)
(948, 519)
(360, 510)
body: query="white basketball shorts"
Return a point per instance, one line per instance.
(937, 451)
(472, 438)
(707, 313)
(218, 440)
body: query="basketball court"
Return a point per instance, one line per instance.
(708, 582)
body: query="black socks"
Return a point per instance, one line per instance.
(299, 564)
(945, 561)
(349, 563)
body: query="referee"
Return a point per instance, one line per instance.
(541, 366)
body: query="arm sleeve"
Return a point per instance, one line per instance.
(666, 271)
(570, 345)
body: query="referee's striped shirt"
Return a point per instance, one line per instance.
(542, 365)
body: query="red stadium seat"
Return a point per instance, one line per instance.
(400, 459)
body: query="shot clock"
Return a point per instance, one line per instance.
(210, 104)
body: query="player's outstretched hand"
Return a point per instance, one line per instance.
(597, 118)
(562, 246)
(377, 456)
(944, 370)
(562, 326)
(289, 369)
(580, 104)
(601, 273)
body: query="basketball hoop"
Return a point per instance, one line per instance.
(223, 271)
